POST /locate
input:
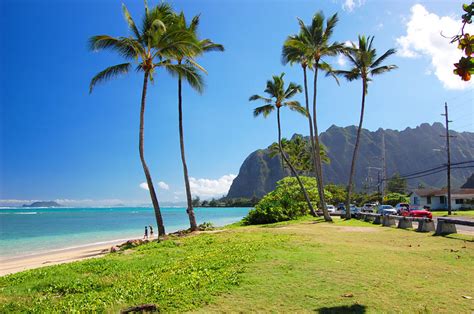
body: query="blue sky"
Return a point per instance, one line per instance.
(59, 142)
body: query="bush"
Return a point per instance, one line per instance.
(395, 198)
(286, 202)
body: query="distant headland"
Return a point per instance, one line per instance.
(43, 204)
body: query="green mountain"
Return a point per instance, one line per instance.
(406, 152)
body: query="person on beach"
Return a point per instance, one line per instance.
(151, 232)
(145, 236)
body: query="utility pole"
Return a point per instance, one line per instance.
(449, 155)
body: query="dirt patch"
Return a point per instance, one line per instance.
(357, 229)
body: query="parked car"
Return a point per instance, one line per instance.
(331, 208)
(368, 208)
(354, 210)
(416, 211)
(386, 210)
(401, 206)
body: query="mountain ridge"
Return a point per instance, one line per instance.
(406, 151)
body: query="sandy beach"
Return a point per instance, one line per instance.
(17, 264)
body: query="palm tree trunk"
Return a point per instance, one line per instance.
(141, 144)
(317, 149)
(311, 132)
(189, 210)
(354, 155)
(293, 171)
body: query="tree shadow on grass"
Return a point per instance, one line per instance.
(355, 309)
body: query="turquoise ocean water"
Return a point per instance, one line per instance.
(26, 231)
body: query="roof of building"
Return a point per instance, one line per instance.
(441, 192)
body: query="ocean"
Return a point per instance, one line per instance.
(28, 231)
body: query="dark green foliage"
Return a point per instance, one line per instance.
(338, 193)
(395, 198)
(397, 184)
(286, 202)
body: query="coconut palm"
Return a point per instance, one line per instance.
(309, 48)
(279, 97)
(145, 47)
(188, 69)
(365, 65)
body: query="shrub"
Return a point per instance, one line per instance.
(395, 198)
(286, 202)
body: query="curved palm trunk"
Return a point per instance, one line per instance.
(311, 132)
(141, 144)
(293, 171)
(317, 149)
(354, 155)
(189, 210)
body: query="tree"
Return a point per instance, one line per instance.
(465, 66)
(365, 65)
(146, 44)
(286, 202)
(309, 48)
(395, 198)
(397, 184)
(280, 97)
(196, 201)
(300, 154)
(188, 69)
(338, 193)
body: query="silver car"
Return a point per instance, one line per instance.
(386, 210)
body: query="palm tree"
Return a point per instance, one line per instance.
(365, 65)
(279, 97)
(188, 69)
(141, 48)
(309, 48)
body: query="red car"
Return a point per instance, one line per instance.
(416, 211)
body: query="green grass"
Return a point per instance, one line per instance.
(298, 266)
(457, 213)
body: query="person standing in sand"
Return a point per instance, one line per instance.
(151, 232)
(145, 236)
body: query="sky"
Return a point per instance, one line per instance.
(58, 142)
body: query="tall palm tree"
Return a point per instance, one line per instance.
(365, 65)
(309, 48)
(188, 69)
(141, 47)
(279, 97)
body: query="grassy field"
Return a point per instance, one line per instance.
(302, 266)
(460, 213)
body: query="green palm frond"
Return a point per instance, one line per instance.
(292, 90)
(295, 106)
(189, 73)
(326, 67)
(126, 47)
(383, 69)
(109, 73)
(130, 22)
(258, 97)
(382, 58)
(352, 75)
(263, 110)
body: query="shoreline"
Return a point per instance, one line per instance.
(37, 260)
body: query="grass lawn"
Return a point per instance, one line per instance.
(301, 266)
(458, 213)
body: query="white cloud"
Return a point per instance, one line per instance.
(144, 186)
(350, 5)
(163, 185)
(341, 60)
(423, 39)
(210, 187)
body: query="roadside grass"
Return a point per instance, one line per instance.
(298, 266)
(457, 213)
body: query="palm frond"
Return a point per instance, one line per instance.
(292, 90)
(258, 97)
(208, 45)
(109, 73)
(126, 47)
(130, 22)
(295, 106)
(383, 69)
(189, 73)
(352, 75)
(326, 67)
(330, 25)
(263, 110)
(382, 58)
